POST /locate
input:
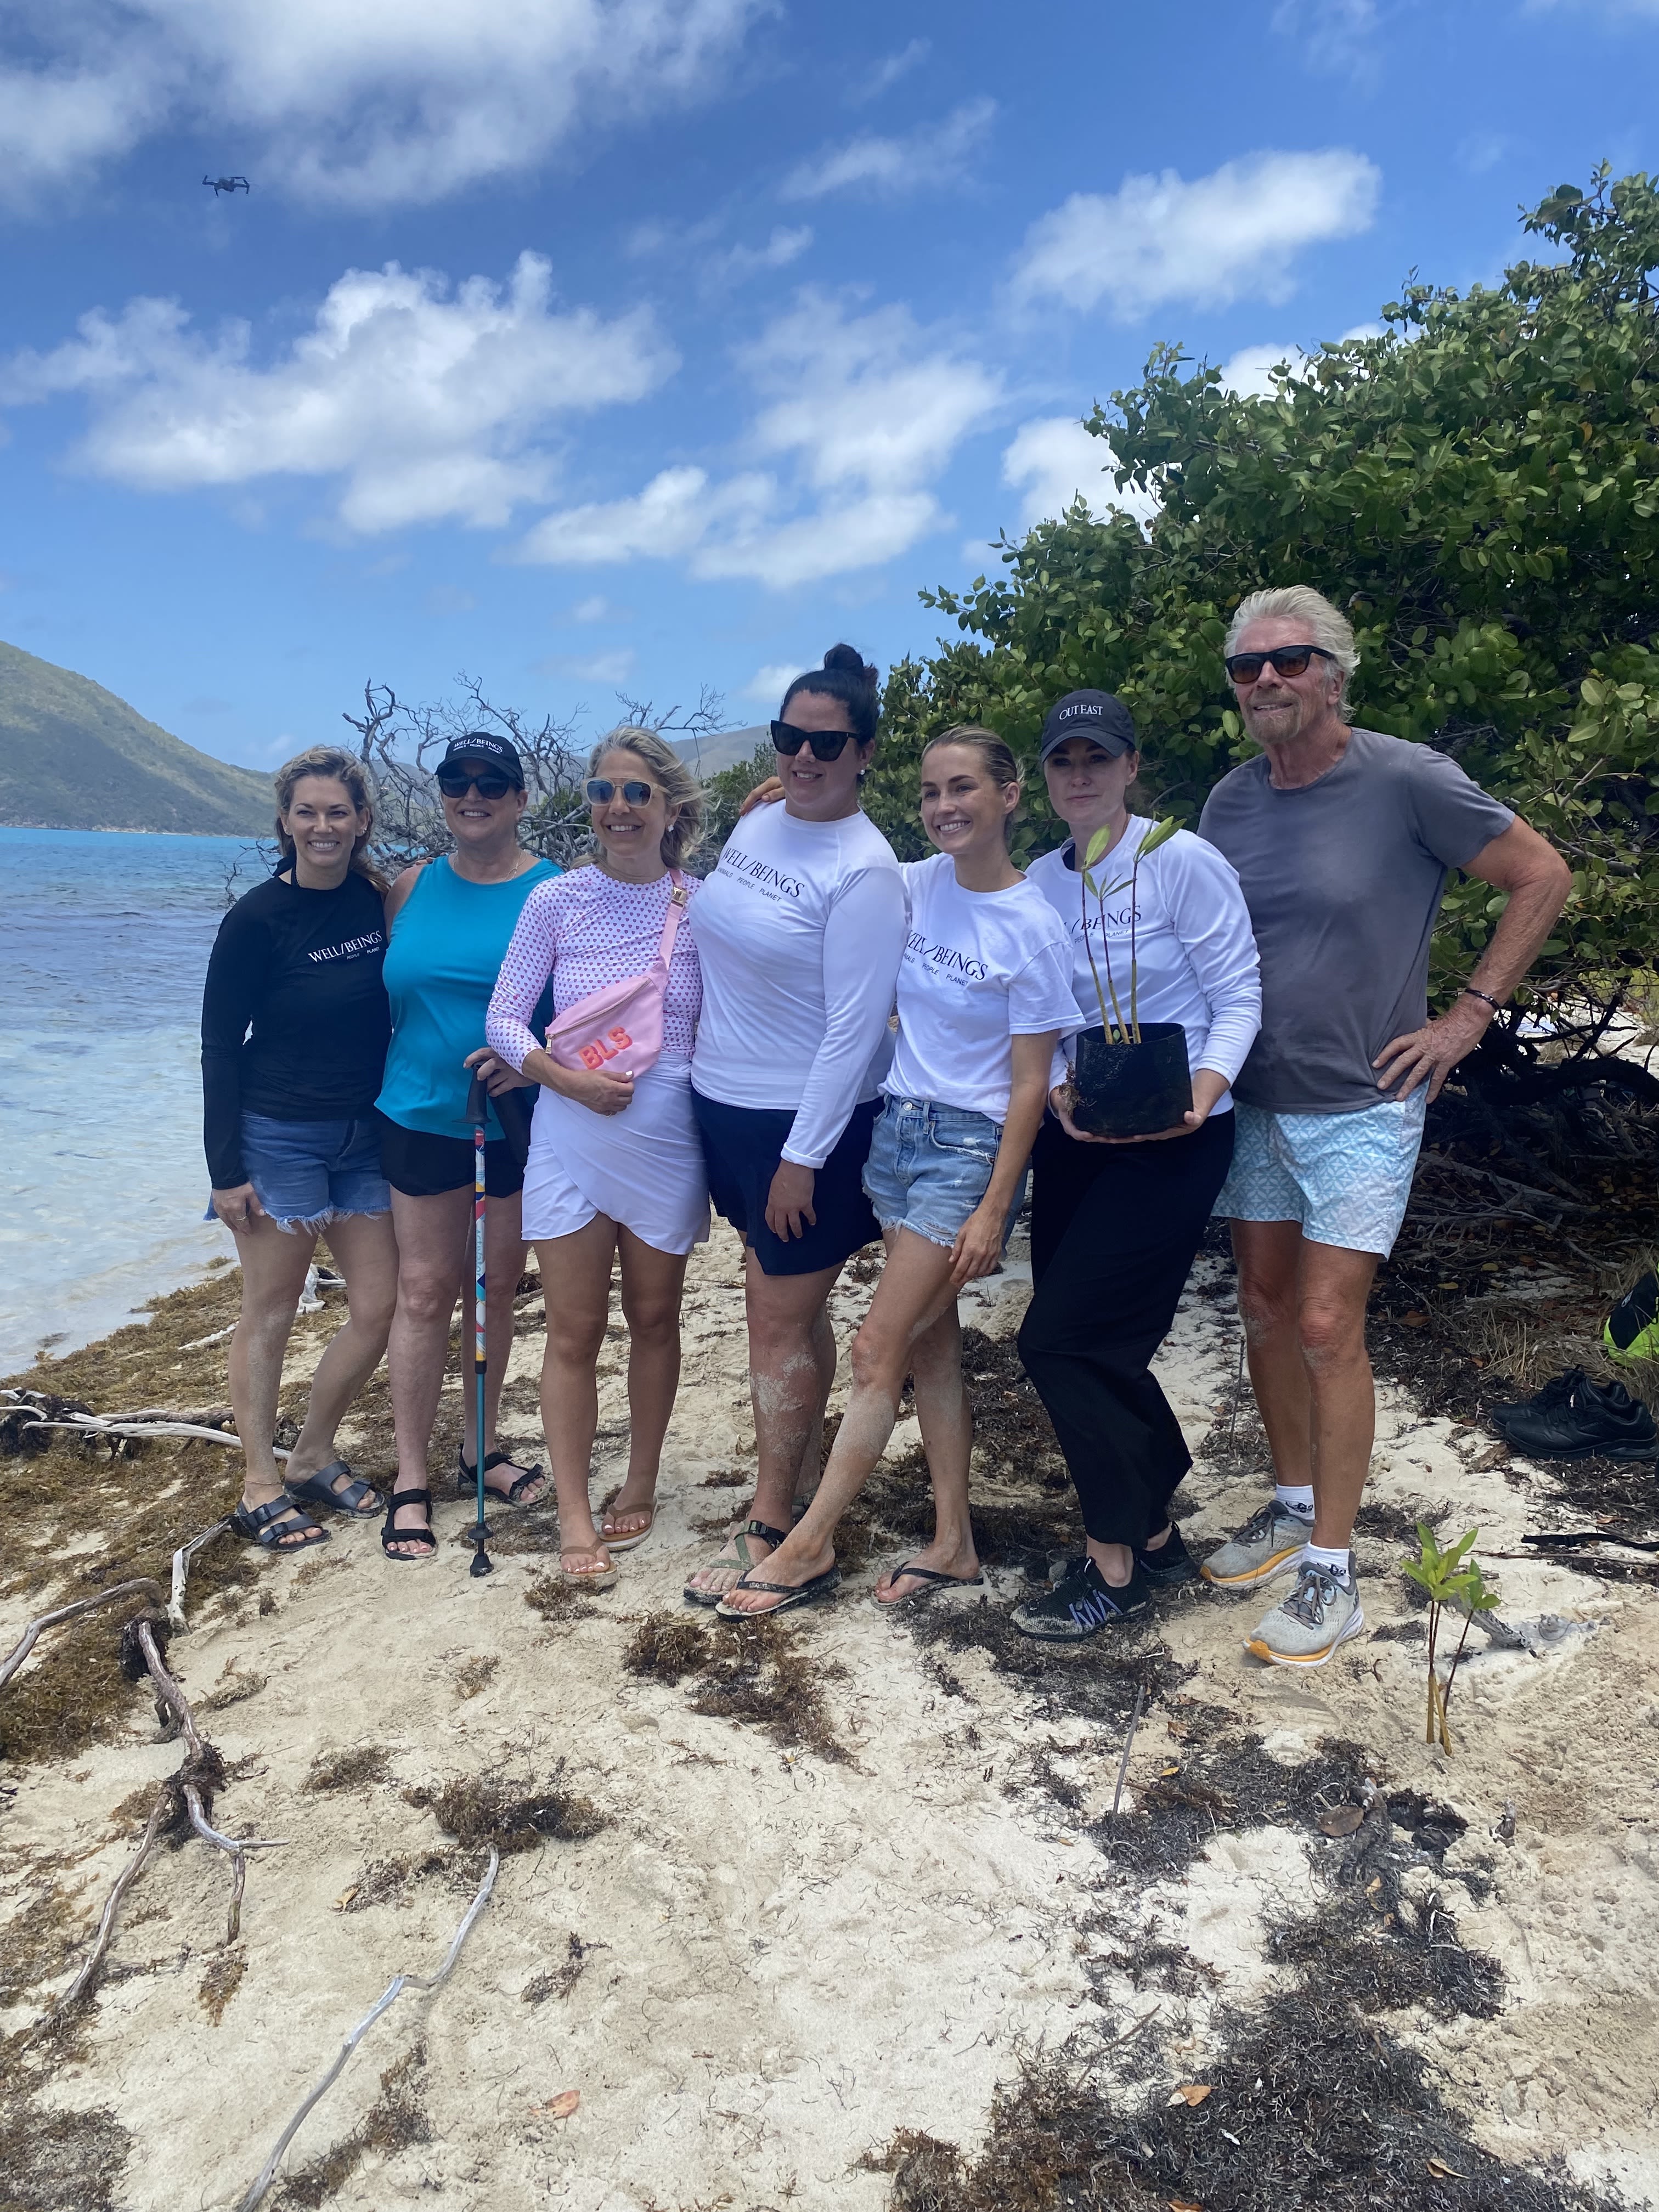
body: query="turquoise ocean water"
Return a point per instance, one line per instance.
(104, 940)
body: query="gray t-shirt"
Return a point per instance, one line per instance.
(1343, 878)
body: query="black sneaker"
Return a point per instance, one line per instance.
(1169, 1563)
(1556, 1393)
(1082, 1606)
(1584, 1420)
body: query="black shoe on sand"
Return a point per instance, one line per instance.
(1171, 1563)
(1573, 1418)
(1081, 1607)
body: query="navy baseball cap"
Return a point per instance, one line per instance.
(485, 746)
(1100, 716)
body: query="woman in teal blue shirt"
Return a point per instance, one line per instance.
(452, 920)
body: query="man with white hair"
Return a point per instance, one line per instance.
(1342, 839)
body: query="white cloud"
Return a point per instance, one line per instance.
(373, 104)
(427, 404)
(886, 74)
(1211, 241)
(933, 155)
(669, 518)
(770, 683)
(598, 609)
(1334, 35)
(1249, 373)
(591, 668)
(738, 263)
(858, 416)
(1053, 459)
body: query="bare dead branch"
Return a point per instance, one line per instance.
(141, 1588)
(389, 1997)
(135, 1866)
(181, 1559)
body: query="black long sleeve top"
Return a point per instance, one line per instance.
(294, 1022)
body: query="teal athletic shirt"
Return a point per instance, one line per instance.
(447, 945)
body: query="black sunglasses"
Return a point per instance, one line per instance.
(1287, 660)
(601, 791)
(488, 783)
(827, 744)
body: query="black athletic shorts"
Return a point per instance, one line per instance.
(742, 1147)
(424, 1166)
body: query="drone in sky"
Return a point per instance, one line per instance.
(228, 185)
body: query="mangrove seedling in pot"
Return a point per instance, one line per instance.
(1132, 1079)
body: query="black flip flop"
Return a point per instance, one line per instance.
(793, 1593)
(267, 1525)
(931, 1579)
(466, 1480)
(391, 1535)
(319, 1490)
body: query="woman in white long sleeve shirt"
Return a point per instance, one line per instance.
(799, 930)
(1115, 1224)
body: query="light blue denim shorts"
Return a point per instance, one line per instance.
(1345, 1178)
(930, 1166)
(306, 1174)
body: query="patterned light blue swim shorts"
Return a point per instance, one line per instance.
(1346, 1177)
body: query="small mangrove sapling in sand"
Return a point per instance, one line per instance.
(1453, 1578)
(1133, 1077)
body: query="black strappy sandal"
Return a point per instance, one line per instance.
(267, 1525)
(772, 1536)
(467, 1479)
(319, 1490)
(391, 1535)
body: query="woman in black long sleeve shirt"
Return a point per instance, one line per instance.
(294, 1028)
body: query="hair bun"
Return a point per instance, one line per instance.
(849, 658)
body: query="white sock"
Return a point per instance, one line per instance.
(1296, 1497)
(1333, 1563)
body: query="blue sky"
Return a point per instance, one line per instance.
(582, 345)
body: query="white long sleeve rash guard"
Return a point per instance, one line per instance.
(799, 929)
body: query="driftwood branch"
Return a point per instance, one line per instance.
(142, 1588)
(89, 1425)
(129, 1874)
(198, 1772)
(185, 1796)
(181, 1559)
(388, 1997)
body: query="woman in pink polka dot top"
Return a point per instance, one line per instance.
(614, 1160)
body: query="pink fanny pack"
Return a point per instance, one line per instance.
(620, 1028)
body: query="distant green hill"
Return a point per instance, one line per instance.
(74, 757)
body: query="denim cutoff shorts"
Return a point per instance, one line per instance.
(930, 1166)
(306, 1174)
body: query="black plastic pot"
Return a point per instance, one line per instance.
(1132, 1090)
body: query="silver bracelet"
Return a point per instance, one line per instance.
(1497, 1005)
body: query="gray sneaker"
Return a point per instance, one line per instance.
(1316, 1618)
(1269, 1541)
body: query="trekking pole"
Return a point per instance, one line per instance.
(477, 1109)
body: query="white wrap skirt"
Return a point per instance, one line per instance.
(643, 1167)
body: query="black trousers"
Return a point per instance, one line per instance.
(1115, 1229)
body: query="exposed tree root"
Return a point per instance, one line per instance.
(393, 1990)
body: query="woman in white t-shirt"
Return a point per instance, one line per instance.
(984, 996)
(1116, 1223)
(799, 929)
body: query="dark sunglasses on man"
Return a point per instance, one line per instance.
(827, 744)
(488, 783)
(601, 791)
(1287, 660)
